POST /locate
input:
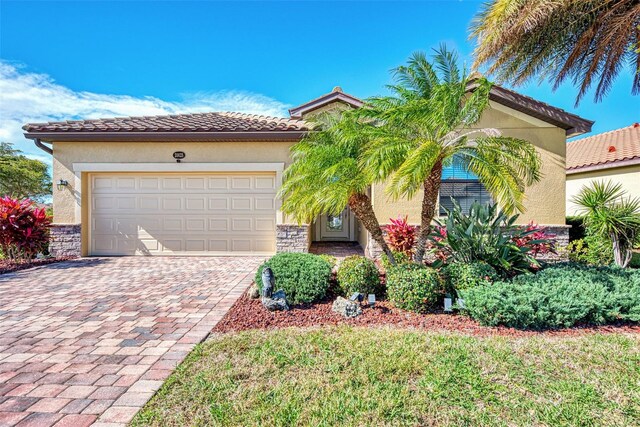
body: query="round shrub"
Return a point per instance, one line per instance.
(459, 275)
(359, 274)
(303, 277)
(400, 257)
(414, 287)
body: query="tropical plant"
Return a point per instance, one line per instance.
(303, 277)
(414, 287)
(24, 228)
(546, 245)
(427, 125)
(359, 274)
(487, 234)
(586, 41)
(609, 214)
(401, 235)
(21, 177)
(325, 176)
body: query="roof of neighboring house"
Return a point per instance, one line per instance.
(336, 95)
(611, 149)
(198, 123)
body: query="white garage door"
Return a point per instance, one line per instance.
(178, 214)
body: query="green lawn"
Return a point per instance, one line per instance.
(359, 376)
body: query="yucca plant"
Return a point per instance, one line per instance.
(610, 215)
(586, 41)
(324, 176)
(427, 124)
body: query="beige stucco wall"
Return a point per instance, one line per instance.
(628, 177)
(544, 201)
(66, 201)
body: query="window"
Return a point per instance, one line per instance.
(461, 185)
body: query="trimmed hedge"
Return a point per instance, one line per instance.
(359, 274)
(459, 276)
(303, 277)
(414, 287)
(560, 296)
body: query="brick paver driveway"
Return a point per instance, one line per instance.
(90, 341)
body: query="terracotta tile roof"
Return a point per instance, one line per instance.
(605, 149)
(199, 122)
(336, 95)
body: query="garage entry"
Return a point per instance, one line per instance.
(182, 214)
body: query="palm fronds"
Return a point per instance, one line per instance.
(585, 41)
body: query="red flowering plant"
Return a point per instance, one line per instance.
(401, 236)
(435, 247)
(24, 228)
(537, 239)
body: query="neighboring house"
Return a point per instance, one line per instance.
(206, 184)
(613, 156)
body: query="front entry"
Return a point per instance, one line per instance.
(336, 227)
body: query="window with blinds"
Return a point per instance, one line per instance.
(461, 185)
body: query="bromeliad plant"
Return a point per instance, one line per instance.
(401, 235)
(487, 234)
(24, 228)
(427, 123)
(611, 216)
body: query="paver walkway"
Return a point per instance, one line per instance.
(90, 341)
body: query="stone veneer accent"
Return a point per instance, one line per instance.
(293, 238)
(65, 240)
(561, 232)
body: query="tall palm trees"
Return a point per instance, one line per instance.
(427, 124)
(324, 176)
(587, 41)
(406, 140)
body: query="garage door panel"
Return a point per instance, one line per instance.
(169, 214)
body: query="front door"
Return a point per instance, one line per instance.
(335, 227)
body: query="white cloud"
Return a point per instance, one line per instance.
(31, 97)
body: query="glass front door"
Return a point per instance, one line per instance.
(335, 227)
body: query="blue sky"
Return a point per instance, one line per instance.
(87, 59)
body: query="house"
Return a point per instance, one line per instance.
(206, 184)
(613, 156)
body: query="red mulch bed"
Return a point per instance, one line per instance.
(248, 314)
(7, 266)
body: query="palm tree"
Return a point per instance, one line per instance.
(324, 176)
(587, 41)
(426, 125)
(612, 216)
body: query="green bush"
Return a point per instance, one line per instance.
(591, 250)
(459, 276)
(330, 259)
(303, 277)
(400, 257)
(563, 295)
(414, 287)
(358, 274)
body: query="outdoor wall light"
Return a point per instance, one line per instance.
(62, 184)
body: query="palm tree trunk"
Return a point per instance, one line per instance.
(362, 208)
(429, 203)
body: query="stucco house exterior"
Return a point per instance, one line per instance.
(206, 184)
(613, 156)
